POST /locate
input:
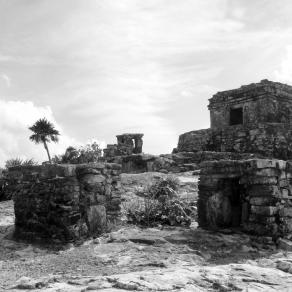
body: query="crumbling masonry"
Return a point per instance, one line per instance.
(256, 118)
(63, 203)
(252, 194)
(127, 144)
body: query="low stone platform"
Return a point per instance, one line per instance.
(65, 203)
(254, 195)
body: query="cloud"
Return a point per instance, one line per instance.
(16, 117)
(6, 79)
(284, 73)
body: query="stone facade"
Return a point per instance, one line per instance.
(254, 195)
(127, 144)
(256, 118)
(268, 140)
(65, 203)
(252, 105)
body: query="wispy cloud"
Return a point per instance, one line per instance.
(6, 79)
(284, 73)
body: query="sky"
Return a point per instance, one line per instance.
(98, 68)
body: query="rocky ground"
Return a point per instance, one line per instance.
(152, 259)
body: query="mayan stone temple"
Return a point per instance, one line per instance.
(252, 194)
(256, 118)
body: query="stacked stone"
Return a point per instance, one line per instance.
(127, 144)
(264, 188)
(65, 203)
(194, 141)
(268, 140)
(111, 150)
(263, 180)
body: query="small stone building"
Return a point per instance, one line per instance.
(255, 118)
(127, 144)
(64, 203)
(253, 195)
(252, 105)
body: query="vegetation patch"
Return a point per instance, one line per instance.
(158, 203)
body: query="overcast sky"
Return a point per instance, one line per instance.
(98, 68)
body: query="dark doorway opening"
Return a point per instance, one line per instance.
(235, 211)
(236, 116)
(236, 200)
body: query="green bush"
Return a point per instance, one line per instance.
(158, 203)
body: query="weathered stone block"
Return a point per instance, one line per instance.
(285, 244)
(264, 191)
(96, 216)
(264, 210)
(253, 180)
(263, 201)
(255, 218)
(285, 212)
(261, 229)
(93, 179)
(285, 193)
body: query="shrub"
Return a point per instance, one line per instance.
(6, 183)
(18, 161)
(85, 154)
(159, 204)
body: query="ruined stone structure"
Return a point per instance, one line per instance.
(253, 194)
(127, 144)
(256, 118)
(236, 187)
(65, 202)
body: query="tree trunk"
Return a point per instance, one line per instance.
(47, 149)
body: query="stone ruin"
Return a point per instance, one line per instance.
(255, 118)
(63, 203)
(127, 144)
(245, 181)
(252, 193)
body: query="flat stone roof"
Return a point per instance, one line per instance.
(252, 91)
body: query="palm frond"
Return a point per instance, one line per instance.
(44, 131)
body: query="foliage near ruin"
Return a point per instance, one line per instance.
(158, 203)
(44, 132)
(84, 154)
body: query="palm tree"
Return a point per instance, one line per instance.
(44, 132)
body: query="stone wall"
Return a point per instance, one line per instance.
(65, 202)
(268, 140)
(175, 162)
(195, 141)
(254, 195)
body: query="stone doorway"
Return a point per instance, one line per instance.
(226, 207)
(236, 202)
